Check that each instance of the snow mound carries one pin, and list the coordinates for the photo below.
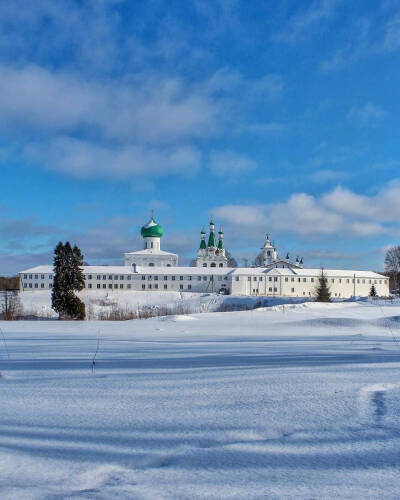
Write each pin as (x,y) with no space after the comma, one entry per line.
(179,317)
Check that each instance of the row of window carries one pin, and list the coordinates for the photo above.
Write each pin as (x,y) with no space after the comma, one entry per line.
(36,285)
(36,276)
(154,286)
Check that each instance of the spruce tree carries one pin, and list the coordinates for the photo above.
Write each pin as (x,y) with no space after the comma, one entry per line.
(322,292)
(372,292)
(68,278)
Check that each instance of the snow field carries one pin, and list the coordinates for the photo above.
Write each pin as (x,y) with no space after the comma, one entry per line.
(287,402)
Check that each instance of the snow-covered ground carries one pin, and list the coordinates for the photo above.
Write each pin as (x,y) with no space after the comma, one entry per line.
(38,303)
(291,401)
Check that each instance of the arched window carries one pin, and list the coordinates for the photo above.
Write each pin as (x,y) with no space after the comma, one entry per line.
(151,264)
(268,253)
(221,265)
(213,264)
(205,264)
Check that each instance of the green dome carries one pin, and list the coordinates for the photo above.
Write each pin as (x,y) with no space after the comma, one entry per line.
(152,230)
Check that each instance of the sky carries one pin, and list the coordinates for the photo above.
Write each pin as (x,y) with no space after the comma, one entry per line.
(273,117)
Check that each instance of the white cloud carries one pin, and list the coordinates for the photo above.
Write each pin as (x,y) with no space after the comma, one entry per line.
(338,212)
(367,114)
(86,160)
(229,164)
(302,23)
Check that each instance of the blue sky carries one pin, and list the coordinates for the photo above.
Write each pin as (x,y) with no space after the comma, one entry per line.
(277,117)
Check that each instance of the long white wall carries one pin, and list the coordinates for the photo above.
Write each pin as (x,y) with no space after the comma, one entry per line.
(241,281)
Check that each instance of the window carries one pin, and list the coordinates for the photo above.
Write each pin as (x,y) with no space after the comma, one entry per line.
(275,289)
(30,276)
(259,279)
(149,286)
(165,278)
(358,281)
(181,278)
(115,285)
(149,278)
(156,278)
(143,277)
(226,277)
(36,276)
(312,280)
(304,280)
(50,285)
(189,278)
(98,277)
(237,278)
(340,280)
(204,265)
(213,264)
(165,287)
(291,279)
(121,278)
(89,277)
(333,280)
(347,281)
(363,282)
(286,279)
(129,277)
(275,279)
(42,276)
(189,286)
(25,285)
(173,278)
(270,289)
(25,276)
(129,286)
(104,277)
(121,285)
(98,285)
(292,290)
(89,285)
(143,286)
(249,279)
(255,278)
(42,285)
(110,285)
(156,286)
(30,285)
(109,277)
(104,285)
(270,278)
(198,278)
(299,279)
(221,265)
(204,278)
(115,277)
(181,287)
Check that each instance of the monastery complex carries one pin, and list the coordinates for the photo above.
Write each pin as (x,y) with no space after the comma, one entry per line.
(152,269)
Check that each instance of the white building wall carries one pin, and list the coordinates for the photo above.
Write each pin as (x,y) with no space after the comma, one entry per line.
(256,282)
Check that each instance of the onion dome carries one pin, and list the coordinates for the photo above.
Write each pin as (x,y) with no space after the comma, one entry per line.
(152,229)
(221,239)
(211,239)
(203,240)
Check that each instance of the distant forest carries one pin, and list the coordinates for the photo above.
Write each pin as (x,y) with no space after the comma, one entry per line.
(10,283)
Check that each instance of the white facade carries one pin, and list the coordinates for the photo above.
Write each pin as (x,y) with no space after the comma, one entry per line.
(238,281)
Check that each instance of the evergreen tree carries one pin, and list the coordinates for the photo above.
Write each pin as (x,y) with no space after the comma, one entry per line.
(68,278)
(322,292)
(372,292)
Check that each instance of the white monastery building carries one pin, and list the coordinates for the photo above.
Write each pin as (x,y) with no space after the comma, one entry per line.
(152,269)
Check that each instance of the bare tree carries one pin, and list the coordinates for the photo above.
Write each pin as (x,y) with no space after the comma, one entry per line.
(259,260)
(392,264)
(10,305)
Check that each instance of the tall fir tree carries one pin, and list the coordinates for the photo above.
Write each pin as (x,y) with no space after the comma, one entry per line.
(372,292)
(68,278)
(322,292)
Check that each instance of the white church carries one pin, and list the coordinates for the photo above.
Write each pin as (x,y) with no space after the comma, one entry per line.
(152,269)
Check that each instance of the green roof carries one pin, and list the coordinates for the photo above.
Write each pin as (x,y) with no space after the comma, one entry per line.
(220,243)
(211,240)
(152,230)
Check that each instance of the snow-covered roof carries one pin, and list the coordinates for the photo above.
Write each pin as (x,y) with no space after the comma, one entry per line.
(239,271)
(151,251)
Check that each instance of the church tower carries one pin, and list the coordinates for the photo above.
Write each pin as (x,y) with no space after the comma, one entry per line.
(212,254)
(269,252)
